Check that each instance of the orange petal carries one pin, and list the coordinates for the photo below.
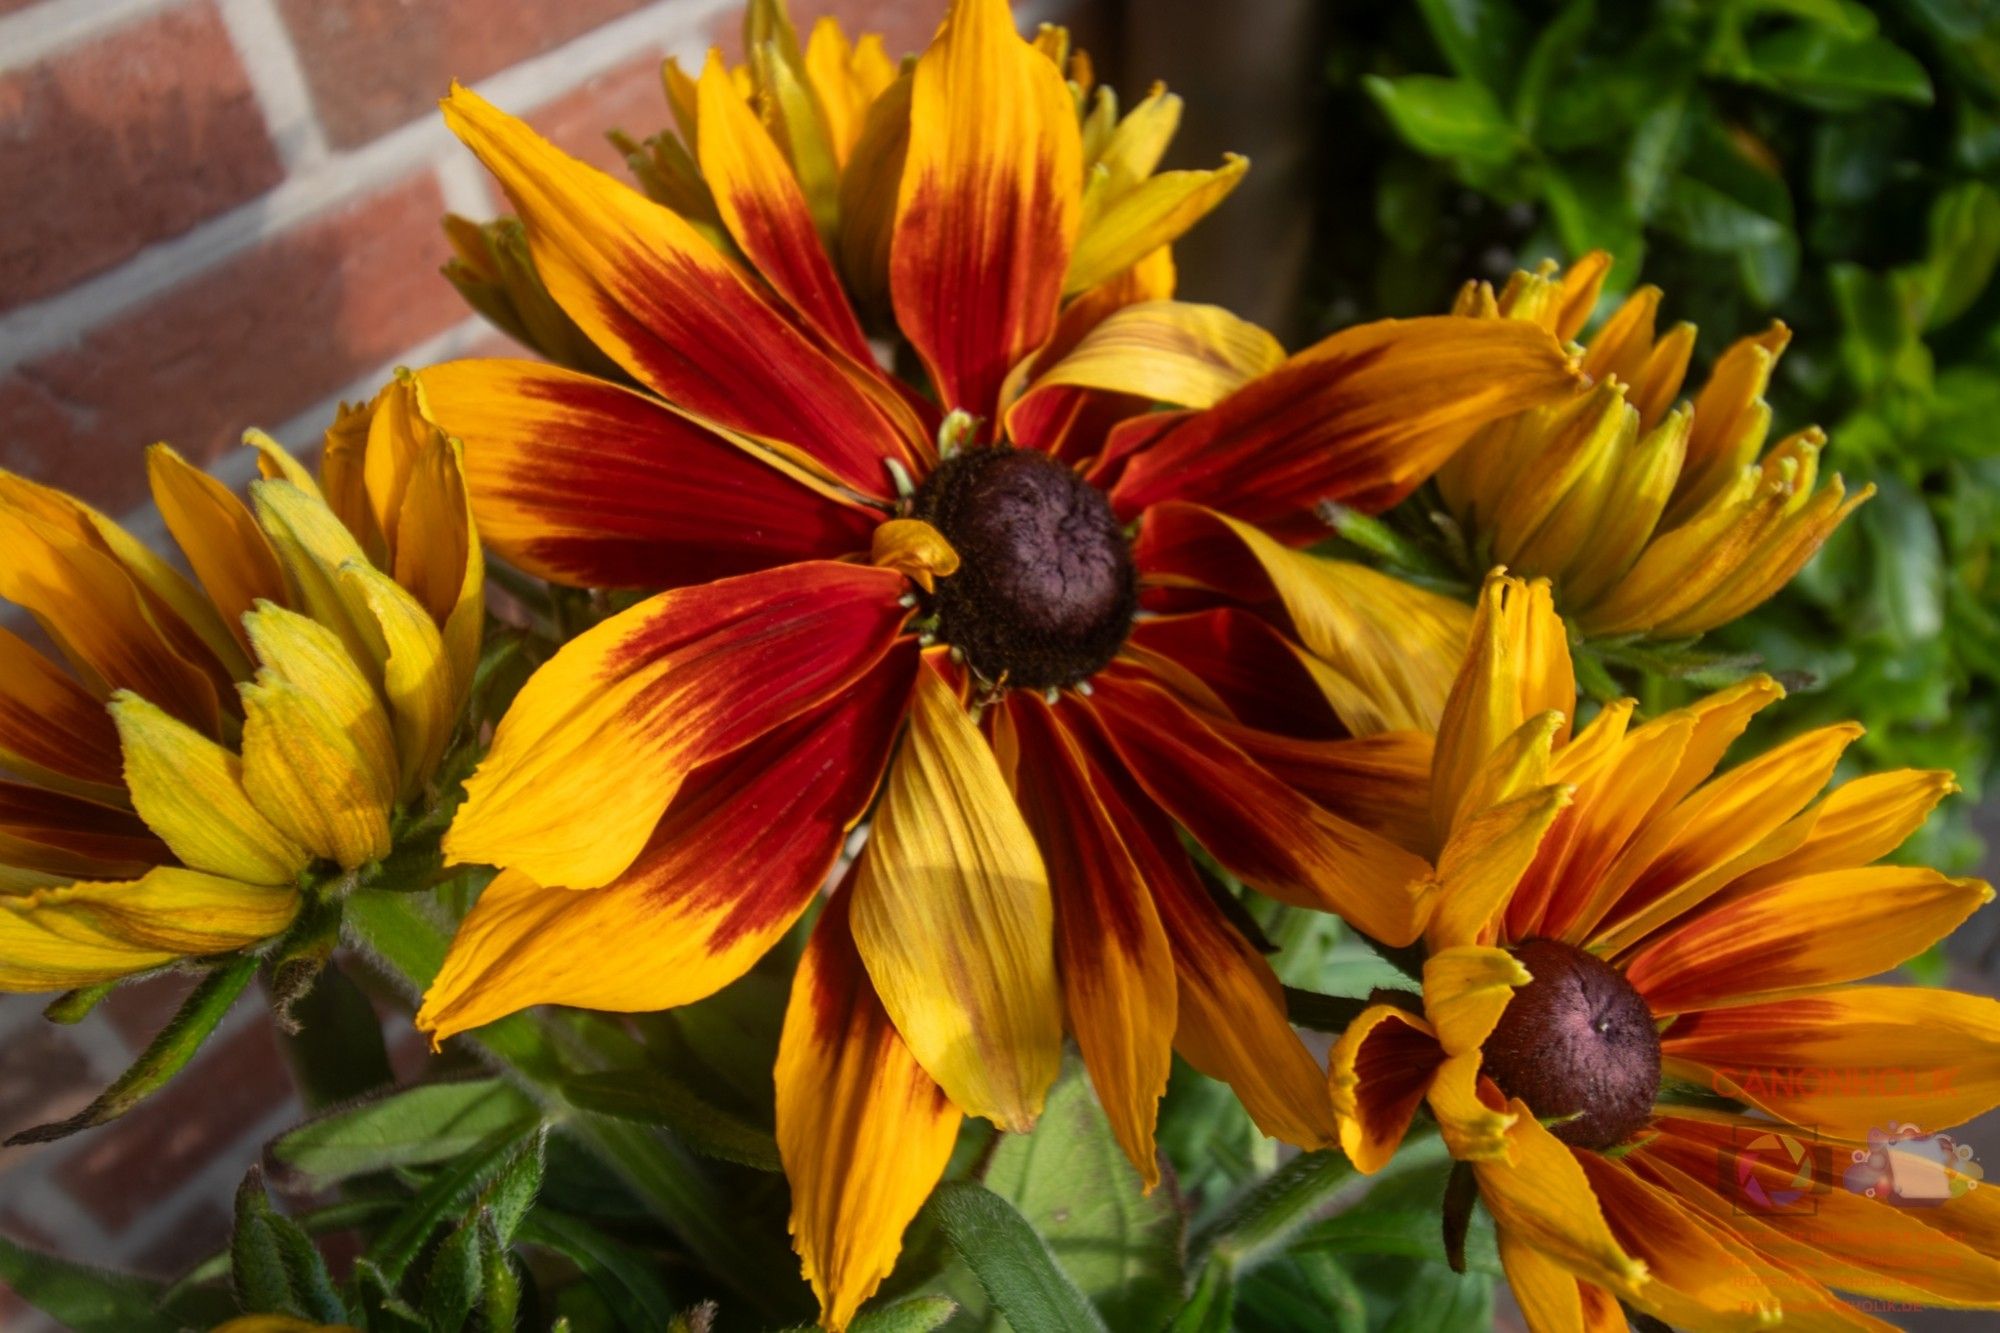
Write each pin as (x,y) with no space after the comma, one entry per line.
(601,737)
(52,730)
(735,860)
(1117,969)
(1361,418)
(864,1132)
(988,206)
(1378,1073)
(586,483)
(1697,1280)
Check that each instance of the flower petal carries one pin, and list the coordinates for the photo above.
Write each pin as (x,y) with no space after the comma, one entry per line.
(1361,418)
(586,483)
(80,934)
(1543,1199)
(417,676)
(1154,213)
(1695,1281)
(189,790)
(1860,821)
(222,542)
(681,318)
(1265,832)
(1377,1074)
(766,211)
(1393,647)
(51,834)
(1117,969)
(988,206)
(51,729)
(864,1132)
(953,916)
(737,857)
(600,738)
(1466,988)
(1835,1059)
(1817,930)
(1174,352)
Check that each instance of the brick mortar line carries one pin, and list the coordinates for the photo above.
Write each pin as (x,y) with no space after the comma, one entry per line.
(48,28)
(676,26)
(271,62)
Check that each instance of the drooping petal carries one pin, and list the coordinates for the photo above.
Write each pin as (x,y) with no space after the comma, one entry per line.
(766,211)
(51,729)
(1695,1281)
(1466,988)
(953,916)
(679,316)
(1259,675)
(988,206)
(1542,1197)
(1547,1293)
(864,1132)
(1117,970)
(189,790)
(737,857)
(1173,352)
(222,542)
(586,483)
(1231,1022)
(1377,1075)
(1361,418)
(79,934)
(600,738)
(1832,1059)
(1817,930)
(1396,646)
(1482,865)
(1261,829)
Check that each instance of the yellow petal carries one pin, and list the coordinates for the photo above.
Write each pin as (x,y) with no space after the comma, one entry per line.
(1544,1200)
(1465,990)
(319,758)
(915,549)
(79,934)
(864,1132)
(1483,863)
(1155,213)
(313,544)
(1174,352)
(422,686)
(1471,1118)
(952,915)
(223,545)
(1546,1291)
(189,790)
(1860,821)
(1377,1074)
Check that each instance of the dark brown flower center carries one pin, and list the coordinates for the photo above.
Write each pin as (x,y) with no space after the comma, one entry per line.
(1045,591)
(1579,1042)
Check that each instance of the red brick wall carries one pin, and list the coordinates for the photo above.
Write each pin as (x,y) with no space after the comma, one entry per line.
(219,214)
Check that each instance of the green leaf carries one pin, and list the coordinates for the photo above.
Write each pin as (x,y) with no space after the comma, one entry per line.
(414,1127)
(1909,562)
(1481,39)
(455,1281)
(166,1056)
(1322,1013)
(274,1266)
(507,1200)
(1075,1187)
(1554,49)
(1412,1232)
(500,1281)
(1441,1301)
(1965,245)
(1303,1291)
(626,1279)
(918,1314)
(1448,118)
(1592,211)
(85,1299)
(655,1098)
(1263,1219)
(1212,1307)
(443,1195)
(1012,1263)
(74,1006)
(1815,65)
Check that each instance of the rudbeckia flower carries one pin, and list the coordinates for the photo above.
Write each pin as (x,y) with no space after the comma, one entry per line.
(924,606)
(1648,963)
(1646,517)
(215,744)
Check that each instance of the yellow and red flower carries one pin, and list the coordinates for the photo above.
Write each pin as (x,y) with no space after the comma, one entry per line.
(213,740)
(923,606)
(1640,927)
(1645,517)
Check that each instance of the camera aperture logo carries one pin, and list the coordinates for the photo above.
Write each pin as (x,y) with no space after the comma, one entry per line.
(1782,1170)
(1908,1168)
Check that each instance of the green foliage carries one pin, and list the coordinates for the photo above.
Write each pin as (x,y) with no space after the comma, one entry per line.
(1825,162)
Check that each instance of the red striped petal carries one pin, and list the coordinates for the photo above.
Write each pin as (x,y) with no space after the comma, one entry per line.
(582,482)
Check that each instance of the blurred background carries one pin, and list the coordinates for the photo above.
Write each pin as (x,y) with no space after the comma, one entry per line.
(224,213)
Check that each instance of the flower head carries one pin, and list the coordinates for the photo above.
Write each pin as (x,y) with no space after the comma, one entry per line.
(1645,517)
(1634,960)
(1023,623)
(213,740)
